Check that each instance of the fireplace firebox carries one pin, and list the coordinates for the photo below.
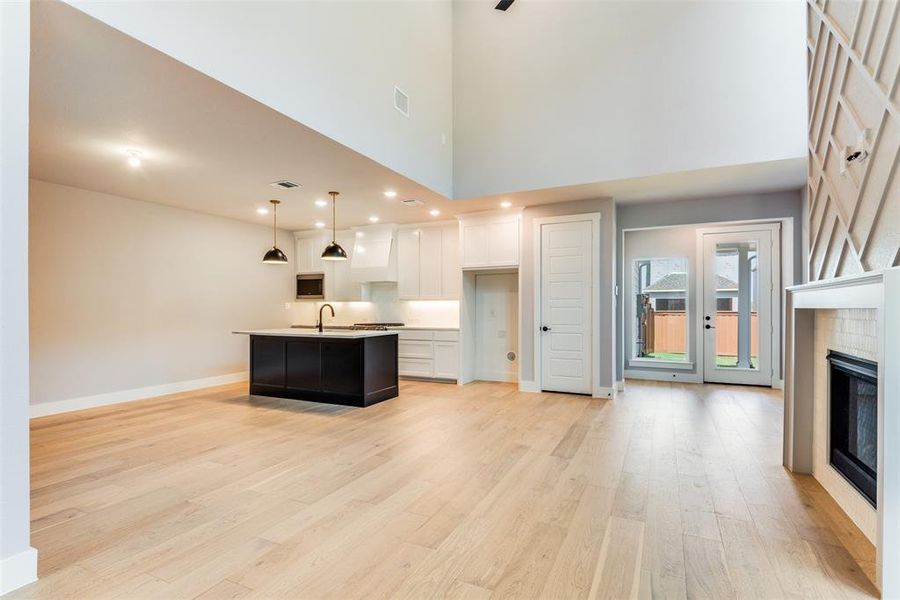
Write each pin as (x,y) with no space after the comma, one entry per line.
(853,416)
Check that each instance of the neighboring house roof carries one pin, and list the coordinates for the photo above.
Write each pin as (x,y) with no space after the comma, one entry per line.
(677,282)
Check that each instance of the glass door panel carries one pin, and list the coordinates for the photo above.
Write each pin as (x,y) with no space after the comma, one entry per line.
(737,271)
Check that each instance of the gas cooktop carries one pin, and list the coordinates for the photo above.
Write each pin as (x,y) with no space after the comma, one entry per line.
(374,326)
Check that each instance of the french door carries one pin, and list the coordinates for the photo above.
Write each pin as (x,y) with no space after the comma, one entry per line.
(566,326)
(737,305)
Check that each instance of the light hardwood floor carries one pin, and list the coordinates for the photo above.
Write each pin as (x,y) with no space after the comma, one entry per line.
(668,491)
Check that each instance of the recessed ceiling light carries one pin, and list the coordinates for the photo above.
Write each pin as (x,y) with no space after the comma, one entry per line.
(134,158)
(434,212)
(391,194)
(505,204)
(373,219)
(262,211)
(319,224)
(321,202)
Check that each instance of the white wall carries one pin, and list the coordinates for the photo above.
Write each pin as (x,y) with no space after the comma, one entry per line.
(566,92)
(329,65)
(18,561)
(127,294)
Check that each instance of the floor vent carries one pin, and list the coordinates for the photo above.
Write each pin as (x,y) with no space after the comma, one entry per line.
(401,101)
(285,184)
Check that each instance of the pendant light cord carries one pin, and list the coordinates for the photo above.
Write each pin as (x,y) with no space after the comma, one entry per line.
(333,217)
(274,224)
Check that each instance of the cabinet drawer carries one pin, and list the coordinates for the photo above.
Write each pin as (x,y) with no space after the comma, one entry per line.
(415,349)
(415,334)
(415,367)
(446,336)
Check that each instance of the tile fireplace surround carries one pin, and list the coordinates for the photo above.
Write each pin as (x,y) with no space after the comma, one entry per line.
(859,315)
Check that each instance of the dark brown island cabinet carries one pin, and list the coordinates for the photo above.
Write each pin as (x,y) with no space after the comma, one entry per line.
(348,368)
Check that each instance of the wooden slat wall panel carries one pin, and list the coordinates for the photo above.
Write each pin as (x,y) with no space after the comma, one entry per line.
(853,73)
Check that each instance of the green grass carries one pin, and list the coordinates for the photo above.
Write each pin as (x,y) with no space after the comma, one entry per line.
(722,360)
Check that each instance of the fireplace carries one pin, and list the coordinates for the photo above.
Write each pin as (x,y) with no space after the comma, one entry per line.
(853,416)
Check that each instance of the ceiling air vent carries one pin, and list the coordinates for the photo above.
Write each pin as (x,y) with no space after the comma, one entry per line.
(401,101)
(284,184)
(412,203)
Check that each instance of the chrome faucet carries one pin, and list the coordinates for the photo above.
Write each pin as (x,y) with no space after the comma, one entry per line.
(321,308)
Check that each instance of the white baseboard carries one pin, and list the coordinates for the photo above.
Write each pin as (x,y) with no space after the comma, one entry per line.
(529,386)
(44,409)
(620,386)
(18,570)
(778,384)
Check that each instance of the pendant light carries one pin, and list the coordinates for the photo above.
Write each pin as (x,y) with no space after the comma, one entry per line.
(275,256)
(333,251)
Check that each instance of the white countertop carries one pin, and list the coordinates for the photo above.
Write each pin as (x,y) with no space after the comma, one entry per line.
(312,333)
(400,328)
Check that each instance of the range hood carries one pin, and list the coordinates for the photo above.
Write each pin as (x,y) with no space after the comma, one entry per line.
(374,256)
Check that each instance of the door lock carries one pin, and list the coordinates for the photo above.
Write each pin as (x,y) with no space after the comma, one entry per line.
(707,317)
(545,328)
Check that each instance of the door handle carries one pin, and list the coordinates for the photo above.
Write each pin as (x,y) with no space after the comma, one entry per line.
(708,326)
(545,328)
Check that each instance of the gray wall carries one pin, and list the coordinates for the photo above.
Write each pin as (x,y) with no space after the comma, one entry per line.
(14,468)
(127,294)
(606,273)
(775,205)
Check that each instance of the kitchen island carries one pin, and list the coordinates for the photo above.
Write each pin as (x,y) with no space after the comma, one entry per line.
(352,368)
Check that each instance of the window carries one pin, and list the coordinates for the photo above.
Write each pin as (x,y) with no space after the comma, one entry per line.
(659,309)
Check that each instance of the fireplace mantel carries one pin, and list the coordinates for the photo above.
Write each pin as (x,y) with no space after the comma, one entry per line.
(879,290)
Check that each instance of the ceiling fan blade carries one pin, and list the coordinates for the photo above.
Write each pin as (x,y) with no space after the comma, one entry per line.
(504,4)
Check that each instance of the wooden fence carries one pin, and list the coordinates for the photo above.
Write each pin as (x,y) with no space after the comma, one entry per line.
(666,333)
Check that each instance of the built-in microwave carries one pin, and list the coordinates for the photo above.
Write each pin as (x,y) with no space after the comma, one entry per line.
(311,286)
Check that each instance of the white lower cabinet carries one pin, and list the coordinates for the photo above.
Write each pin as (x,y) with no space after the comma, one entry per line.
(446,360)
(428,354)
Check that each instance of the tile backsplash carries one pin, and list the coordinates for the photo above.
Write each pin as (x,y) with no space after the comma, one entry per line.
(384,306)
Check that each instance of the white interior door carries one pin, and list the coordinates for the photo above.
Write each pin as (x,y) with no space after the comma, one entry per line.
(737,307)
(566,281)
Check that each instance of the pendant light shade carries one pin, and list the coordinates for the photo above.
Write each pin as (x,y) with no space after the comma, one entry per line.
(333,251)
(275,256)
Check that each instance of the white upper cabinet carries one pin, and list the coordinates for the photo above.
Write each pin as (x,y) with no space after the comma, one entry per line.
(430,276)
(309,253)
(428,262)
(490,240)
(343,288)
(408,263)
(450,274)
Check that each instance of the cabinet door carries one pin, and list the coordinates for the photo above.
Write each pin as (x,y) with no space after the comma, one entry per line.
(267,362)
(344,288)
(430,263)
(408,264)
(503,242)
(303,365)
(450,273)
(475,248)
(446,360)
(342,367)
(304,255)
